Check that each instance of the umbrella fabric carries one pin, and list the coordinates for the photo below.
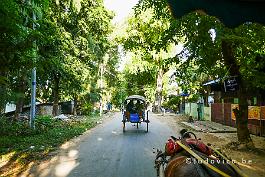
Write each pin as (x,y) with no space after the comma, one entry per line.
(231,12)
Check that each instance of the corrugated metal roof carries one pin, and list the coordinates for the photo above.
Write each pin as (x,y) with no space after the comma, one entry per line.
(211,82)
(137,97)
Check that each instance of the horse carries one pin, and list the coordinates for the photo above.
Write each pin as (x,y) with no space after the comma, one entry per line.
(198,162)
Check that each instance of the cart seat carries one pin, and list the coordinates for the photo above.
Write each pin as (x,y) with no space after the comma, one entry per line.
(134,118)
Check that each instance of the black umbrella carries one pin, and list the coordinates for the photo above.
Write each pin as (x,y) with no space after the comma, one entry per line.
(231,12)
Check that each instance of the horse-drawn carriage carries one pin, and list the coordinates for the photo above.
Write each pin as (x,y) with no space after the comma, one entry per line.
(188,156)
(135,111)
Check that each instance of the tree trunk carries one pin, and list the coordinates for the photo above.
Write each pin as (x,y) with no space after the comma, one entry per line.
(2,101)
(19,106)
(2,92)
(21,88)
(217,97)
(55,109)
(75,105)
(159,88)
(241,114)
(183,102)
(205,97)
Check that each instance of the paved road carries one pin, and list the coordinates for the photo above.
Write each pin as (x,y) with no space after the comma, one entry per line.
(108,152)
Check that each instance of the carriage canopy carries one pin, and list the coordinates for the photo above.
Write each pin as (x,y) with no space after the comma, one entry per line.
(135,97)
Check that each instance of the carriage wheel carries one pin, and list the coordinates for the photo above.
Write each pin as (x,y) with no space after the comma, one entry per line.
(123,127)
(147,122)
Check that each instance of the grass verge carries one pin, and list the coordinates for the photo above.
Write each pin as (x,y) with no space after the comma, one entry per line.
(20,145)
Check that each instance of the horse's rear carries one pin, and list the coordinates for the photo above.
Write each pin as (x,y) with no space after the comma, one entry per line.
(191,157)
(179,167)
(182,166)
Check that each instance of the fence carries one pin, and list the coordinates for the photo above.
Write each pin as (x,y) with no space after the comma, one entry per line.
(46,109)
(191,110)
(222,113)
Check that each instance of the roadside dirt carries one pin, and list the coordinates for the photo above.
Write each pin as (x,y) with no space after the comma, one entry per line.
(61,154)
(252,162)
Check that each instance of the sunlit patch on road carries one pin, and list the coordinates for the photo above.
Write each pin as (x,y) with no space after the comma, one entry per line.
(67,163)
(64,168)
(73,153)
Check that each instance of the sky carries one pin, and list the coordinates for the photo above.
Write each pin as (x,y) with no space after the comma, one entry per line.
(122,8)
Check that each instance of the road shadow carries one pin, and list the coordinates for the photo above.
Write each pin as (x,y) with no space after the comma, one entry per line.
(135,131)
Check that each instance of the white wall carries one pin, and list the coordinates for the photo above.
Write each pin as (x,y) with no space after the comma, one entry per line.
(191,109)
(10,107)
(207,113)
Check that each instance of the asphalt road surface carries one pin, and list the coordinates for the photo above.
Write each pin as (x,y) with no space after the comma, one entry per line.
(108,152)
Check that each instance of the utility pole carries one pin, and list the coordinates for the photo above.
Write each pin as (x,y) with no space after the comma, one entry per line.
(33,77)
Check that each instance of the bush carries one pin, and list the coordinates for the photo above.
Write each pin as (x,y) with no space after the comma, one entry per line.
(20,145)
(193,98)
(14,128)
(49,132)
(172,103)
(44,123)
(88,109)
(21,128)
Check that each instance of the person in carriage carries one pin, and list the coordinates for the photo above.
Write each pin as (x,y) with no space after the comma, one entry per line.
(140,108)
(129,106)
(135,112)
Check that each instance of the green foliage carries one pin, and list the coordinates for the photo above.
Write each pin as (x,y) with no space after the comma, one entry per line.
(43,123)
(21,128)
(144,38)
(161,9)
(119,93)
(15,49)
(66,46)
(172,103)
(249,45)
(16,128)
(193,98)
(89,99)
(87,108)
(204,52)
(21,145)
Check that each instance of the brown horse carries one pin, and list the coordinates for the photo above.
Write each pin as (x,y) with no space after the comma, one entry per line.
(190,157)
(183,164)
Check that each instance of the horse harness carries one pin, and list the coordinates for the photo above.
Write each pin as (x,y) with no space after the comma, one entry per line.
(187,148)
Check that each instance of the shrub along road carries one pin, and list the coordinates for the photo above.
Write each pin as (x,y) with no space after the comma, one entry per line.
(21,147)
(107,151)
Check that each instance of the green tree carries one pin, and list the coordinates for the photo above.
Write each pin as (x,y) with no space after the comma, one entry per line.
(17,47)
(237,51)
(74,43)
(72,37)
(145,37)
